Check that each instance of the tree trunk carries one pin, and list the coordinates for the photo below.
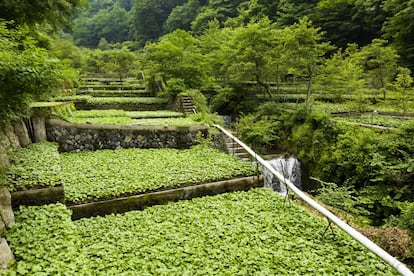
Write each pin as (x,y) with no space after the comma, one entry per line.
(265,86)
(309,85)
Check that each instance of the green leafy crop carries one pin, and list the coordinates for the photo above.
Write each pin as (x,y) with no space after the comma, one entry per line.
(127,100)
(128,121)
(99,113)
(112,173)
(117,120)
(241,233)
(36,166)
(154,114)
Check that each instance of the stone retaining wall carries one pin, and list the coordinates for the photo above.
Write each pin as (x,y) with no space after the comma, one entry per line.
(123,106)
(78,137)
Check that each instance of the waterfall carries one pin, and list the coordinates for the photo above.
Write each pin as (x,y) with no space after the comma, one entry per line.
(289,167)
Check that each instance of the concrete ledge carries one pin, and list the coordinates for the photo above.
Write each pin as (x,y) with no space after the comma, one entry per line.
(139,202)
(37,196)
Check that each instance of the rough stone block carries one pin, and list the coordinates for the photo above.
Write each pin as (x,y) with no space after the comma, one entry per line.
(39,127)
(6,211)
(20,130)
(4,142)
(4,160)
(6,255)
(14,140)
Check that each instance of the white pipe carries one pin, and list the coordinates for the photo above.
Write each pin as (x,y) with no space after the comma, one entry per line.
(400,267)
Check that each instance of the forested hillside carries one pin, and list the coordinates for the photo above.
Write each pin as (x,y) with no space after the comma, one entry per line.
(343,21)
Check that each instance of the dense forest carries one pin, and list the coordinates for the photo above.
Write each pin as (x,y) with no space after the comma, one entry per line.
(281,69)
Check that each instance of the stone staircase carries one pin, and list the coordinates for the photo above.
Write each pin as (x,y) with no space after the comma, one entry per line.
(236,150)
(186,105)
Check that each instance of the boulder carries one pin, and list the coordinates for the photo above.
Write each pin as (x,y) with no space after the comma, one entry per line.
(20,130)
(6,255)
(6,211)
(3,228)
(39,128)
(4,160)
(4,142)
(14,140)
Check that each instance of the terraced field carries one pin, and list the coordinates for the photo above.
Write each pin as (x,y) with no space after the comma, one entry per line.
(243,233)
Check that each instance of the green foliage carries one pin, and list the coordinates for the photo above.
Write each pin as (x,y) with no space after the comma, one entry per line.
(403,83)
(305,50)
(176,56)
(232,100)
(350,21)
(117,62)
(174,87)
(229,233)
(182,16)
(122,120)
(380,62)
(154,114)
(57,13)
(121,62)
(253,53)
(376,168)
(74,98)
(26,73)
(341,197)
(99,113)
(36,166)
(341,74)
(116,120)
(108,22)
(149,17)
(44,239)
(207,118)
(407,215)
(112,173)
(199,100)
(398,27)
(386,121)
(259,133)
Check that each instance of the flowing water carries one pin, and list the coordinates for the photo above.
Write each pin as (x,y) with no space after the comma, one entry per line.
(289,167)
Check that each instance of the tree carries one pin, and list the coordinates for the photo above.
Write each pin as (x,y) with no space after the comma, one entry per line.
(399,28)
(253,53)
(349,21)
(176,55)
(31,12)
(149,17)
(182,16)
(103,20)
(26,73)
(213,46)
(341,74)
(380,64)
(215,10)
(291,11)
(304,50)
(403,85)
(258,9)
(122,62)
(112,24)
(84,32)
